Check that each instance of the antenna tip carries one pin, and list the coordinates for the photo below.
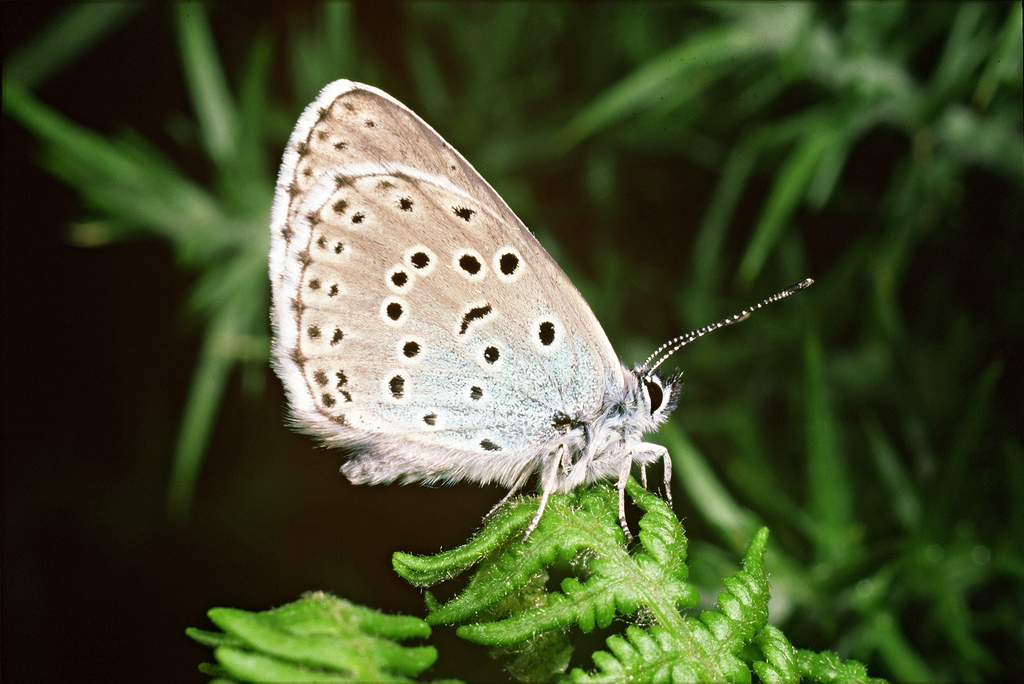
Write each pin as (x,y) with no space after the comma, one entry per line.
(806,282)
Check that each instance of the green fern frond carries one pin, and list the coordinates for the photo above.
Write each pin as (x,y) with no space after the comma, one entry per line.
(319,638)
(783,663)
(780,662)
(827,667)
(579,528)
(694,649)
(508,605)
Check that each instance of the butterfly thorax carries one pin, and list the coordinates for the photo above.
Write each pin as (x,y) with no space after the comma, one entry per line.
(602,447)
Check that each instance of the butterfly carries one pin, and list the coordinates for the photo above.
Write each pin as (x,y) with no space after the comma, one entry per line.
(421,326)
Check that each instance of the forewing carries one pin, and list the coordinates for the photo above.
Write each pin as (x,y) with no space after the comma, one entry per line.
(416,319)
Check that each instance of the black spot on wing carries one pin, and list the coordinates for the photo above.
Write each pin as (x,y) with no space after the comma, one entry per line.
(474,314)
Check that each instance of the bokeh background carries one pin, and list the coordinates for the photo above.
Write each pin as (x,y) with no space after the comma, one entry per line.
(680,161)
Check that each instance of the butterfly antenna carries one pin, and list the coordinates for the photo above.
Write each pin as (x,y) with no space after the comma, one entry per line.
(678,343)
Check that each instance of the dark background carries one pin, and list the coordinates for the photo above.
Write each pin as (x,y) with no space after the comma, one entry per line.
(99,347)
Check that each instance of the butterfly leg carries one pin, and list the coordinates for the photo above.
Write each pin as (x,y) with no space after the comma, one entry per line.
(516,486)
(536,519)
(548,480)
(667,460)
(643,475)
(623,477)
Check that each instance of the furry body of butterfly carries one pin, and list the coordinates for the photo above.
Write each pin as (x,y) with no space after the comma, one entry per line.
(420,325)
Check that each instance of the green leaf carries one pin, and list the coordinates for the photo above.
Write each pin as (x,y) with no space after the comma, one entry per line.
(319,638)
(508,604)
(790,187)
(828,667)
(830,504)
(71,34)
(706,648)
(769,30)
(211,99)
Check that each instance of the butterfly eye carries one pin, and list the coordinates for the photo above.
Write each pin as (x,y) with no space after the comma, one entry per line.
(654,394)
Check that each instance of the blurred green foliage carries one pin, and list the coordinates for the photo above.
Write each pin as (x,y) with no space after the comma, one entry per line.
(681,161)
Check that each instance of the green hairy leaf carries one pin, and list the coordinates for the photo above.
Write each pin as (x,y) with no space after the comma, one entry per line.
(509,605)
(319,638)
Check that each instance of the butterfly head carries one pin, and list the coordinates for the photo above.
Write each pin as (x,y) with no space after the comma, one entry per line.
(656,395)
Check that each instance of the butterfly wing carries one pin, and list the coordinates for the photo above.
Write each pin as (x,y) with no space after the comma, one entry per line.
(416,320)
